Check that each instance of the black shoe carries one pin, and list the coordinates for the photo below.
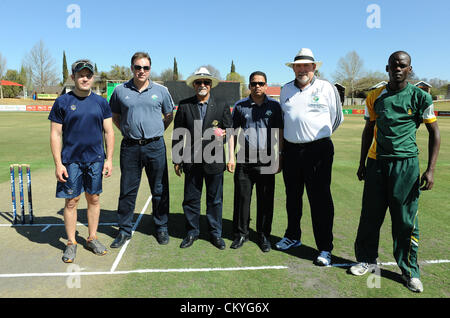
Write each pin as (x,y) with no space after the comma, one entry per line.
(218,242)
(162,237)
(237,243)
(264,244)
(120,240)
(188,241)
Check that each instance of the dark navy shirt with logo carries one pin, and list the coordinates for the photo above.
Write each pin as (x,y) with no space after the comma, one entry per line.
(82,126)
(257,122)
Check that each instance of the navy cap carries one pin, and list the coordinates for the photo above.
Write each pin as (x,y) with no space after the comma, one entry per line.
(81,64)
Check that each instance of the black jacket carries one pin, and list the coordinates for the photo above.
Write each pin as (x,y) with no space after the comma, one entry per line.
(189,151)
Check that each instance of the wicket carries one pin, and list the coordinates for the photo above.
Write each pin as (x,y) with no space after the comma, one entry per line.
(13,192)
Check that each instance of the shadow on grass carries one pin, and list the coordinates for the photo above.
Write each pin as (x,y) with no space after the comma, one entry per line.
(40,235)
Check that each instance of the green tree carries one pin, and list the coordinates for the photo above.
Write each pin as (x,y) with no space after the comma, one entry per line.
(175,70)
(236,77)
(65,70)
(13,91)
(119,73)
(233,67)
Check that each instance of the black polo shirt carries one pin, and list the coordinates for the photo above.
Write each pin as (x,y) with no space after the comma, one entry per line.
(256,122)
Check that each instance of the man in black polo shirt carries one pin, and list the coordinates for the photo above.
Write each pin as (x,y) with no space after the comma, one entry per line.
(260,120)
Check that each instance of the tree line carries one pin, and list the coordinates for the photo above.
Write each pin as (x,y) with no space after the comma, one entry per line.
(38,71)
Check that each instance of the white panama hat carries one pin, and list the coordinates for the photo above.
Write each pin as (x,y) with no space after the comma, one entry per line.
(202,73)
(304,56)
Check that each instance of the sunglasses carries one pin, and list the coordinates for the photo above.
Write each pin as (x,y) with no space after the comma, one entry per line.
(82,65)
(138,68)
(253,84)
(200,82)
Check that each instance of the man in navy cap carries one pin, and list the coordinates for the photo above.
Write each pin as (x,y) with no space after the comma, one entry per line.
(80,120)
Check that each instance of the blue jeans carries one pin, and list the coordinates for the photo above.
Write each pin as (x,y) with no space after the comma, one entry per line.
(152,157)
(193,184)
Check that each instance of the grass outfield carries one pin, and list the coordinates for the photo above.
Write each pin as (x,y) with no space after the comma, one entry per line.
(25,139)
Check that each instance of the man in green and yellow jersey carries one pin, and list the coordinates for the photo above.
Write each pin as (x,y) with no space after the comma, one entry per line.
(389,167)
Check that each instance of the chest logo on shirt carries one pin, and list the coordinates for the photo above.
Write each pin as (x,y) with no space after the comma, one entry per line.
(73,107)
(268,113)
(154,97)
(409,111)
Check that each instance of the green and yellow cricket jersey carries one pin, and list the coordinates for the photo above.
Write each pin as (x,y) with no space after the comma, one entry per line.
(397,117)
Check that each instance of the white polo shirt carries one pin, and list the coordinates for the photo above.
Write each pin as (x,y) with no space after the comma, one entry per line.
(311,113)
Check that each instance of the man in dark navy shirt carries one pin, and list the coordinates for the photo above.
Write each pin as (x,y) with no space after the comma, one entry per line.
(79,120)
(261,123)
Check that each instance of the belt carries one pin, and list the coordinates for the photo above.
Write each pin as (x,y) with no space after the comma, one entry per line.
(305,144)
(140,142)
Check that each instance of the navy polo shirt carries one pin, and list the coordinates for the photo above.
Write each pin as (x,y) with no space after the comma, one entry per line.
(141,112)
(82,126)
(256,121)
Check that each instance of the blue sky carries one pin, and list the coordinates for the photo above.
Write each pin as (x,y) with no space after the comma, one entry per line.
(257,35)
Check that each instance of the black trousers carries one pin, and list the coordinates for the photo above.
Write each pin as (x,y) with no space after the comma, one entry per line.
(193,185)
(309,166)
(245,177)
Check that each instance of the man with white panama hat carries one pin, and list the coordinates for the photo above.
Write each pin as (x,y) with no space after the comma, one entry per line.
(200,122)
(312,112)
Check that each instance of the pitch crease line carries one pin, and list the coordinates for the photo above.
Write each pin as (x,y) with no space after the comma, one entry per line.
(124,247)
(142,271)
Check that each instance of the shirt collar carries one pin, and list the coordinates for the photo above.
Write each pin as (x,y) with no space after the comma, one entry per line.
(131,85)
(202,103)
(252,102)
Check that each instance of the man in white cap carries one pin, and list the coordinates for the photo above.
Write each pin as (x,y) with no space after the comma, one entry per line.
(198,151)
(312,112)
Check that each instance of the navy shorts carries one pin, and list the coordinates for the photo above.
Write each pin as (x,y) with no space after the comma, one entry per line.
(83,177)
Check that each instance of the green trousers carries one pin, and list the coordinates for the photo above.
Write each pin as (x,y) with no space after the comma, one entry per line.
(392,184)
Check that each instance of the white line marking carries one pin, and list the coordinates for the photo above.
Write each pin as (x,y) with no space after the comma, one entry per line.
(57,224)
(438,261)
(124,247)
(141,271)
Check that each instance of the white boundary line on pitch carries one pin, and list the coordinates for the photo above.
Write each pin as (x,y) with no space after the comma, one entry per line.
(184,270)
(47,226)
(124,247)
(438,261)
(143,271)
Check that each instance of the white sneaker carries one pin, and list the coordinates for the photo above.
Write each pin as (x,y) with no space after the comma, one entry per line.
(362,268)
(324,259)
(413,283)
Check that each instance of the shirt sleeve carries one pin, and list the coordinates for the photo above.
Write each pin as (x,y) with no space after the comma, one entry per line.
(114,102)
(369,113)
(167,104)
(56,114)
(428,113)
(236,116)
(335,106)
(106,109)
